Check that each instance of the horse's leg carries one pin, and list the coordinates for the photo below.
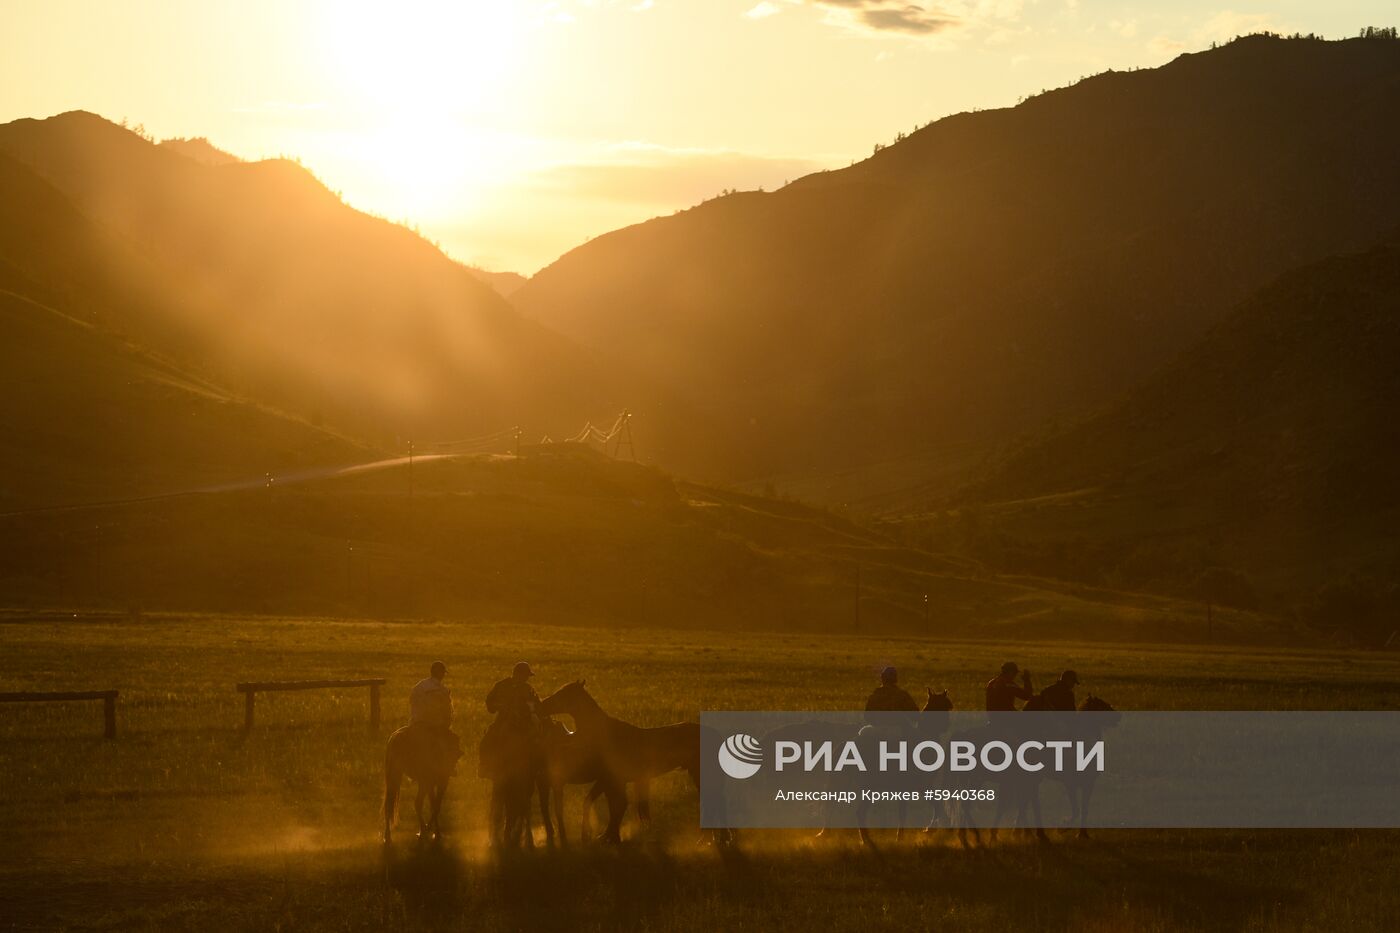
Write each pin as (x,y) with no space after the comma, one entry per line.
(524,794)
(1036,814)
(439,791)
(542,790)
(557,791)
(495,816)
(617,808)
(861,809)
(1085,791)
(393,779)
(644,801)
(899,830)
(510,811)
(594,792)
(996,817)
(418,806)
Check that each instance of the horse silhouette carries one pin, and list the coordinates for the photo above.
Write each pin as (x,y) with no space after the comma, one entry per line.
(417,751)
(569,760)
(1021,789)
(516,774)
(627,753)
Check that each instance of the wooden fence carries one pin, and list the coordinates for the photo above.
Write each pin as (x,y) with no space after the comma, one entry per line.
(108,698)
(251,690)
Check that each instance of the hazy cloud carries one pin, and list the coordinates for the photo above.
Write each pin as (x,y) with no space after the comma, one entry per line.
(763,10)
(669,178)
(1221,26)
(909,19)
(1227,24)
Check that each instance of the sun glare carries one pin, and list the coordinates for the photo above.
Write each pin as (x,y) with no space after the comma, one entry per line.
(420,78)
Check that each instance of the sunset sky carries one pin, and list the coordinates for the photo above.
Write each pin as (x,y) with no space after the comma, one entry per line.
(512,131)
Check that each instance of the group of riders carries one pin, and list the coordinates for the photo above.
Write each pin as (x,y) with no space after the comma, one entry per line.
(1003,691)
(516,705)
(512,700)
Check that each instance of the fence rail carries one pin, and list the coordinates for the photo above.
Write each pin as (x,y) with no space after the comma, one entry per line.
(108,698)
(251,690)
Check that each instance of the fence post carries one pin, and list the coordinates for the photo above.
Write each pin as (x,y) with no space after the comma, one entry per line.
(248,711)
(374,707)
(109,714)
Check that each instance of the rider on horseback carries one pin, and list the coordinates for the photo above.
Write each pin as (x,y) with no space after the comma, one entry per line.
(890,697)
(517,709)
(430,707)
(1060,695)
(1003,691)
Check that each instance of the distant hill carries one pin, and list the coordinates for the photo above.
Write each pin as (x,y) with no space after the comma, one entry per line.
(199,149)
(257,276)
(505,283)
(560,535)
(84,414)
(994,270)
(1269,450)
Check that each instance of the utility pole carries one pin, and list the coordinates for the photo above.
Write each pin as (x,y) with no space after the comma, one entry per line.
(517,442)
(624,431)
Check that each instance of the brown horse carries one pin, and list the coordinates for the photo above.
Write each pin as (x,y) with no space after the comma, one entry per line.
(628,754)
(569,760)
(417,751)
(516,773)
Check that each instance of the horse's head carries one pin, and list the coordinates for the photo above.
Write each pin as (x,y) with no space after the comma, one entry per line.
(937,702)
(552,730)
(568,699)
(1093,704)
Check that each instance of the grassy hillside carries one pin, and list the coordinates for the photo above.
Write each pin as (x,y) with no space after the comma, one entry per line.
(997,269)
(180,823)
(88,418)
(256,273)
(559,535)
(1268,449)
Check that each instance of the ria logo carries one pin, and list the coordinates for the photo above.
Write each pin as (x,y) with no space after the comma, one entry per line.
(740,756)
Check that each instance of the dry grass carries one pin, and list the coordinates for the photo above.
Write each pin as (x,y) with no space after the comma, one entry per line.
(183,823)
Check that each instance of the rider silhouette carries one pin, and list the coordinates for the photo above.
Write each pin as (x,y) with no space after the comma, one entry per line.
(430,708)
(517,709)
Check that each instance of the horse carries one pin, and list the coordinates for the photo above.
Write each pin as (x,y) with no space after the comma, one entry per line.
(417,751)
(567,760)
(628,754)
(933,721)
(1079,785)
(516,771)
(1024,789)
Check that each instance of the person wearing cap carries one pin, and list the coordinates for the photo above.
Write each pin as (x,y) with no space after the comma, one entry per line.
(517,708)
(513,696)
(430,705)
(1003,691)
(1060,694)
(890,697)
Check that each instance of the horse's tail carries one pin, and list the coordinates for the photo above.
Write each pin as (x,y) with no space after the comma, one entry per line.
(393,777)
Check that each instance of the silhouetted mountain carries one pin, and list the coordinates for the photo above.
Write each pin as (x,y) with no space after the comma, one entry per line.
(997,269)
(505,283)
(199,149)
(257,275)
(1269,450)
(89,417)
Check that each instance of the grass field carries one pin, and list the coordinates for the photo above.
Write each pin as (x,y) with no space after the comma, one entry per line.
(181,823)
